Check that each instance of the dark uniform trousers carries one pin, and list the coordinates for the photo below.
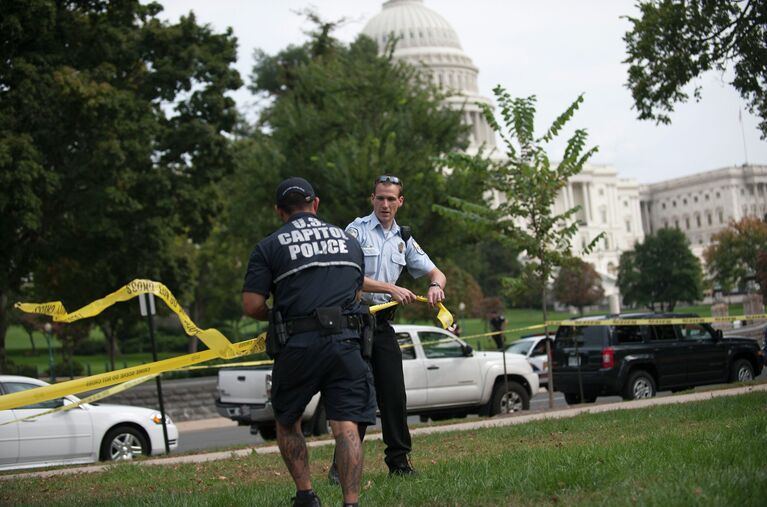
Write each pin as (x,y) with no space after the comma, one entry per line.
(390,393)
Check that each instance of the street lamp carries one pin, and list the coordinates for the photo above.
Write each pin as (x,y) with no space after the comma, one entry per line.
(51,368)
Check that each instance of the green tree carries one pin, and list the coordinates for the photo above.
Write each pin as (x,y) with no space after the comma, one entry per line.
(578,284)
(732,257)
(660,272)
(524,185)
(674,42)
(112,140)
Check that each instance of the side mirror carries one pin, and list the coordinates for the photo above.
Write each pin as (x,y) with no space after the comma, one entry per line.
(467,350)
(718,335)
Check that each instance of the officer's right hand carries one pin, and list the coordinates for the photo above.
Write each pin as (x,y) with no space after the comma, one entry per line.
(402,295)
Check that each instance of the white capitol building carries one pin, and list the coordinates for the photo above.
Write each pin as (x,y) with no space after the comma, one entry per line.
(699,205)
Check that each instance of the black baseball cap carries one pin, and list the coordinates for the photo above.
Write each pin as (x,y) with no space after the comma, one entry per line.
(293,185)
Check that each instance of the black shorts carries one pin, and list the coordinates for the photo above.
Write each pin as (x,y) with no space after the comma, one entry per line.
(331,365)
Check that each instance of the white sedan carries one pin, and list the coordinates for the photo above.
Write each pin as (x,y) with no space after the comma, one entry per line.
(85,434)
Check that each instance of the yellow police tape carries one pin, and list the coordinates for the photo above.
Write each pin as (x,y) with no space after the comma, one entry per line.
(443,314)
(90,399)
(219,346)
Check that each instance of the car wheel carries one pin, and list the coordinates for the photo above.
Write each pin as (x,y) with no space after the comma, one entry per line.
(640,385)
(741,371)
(320,421)
(514,400)
(124,443)
(267,431)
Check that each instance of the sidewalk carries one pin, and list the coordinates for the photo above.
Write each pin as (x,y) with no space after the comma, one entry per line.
(494,422)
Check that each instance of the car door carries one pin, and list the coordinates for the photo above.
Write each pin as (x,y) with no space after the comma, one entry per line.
(416,383)
(9,438)
(706,357)
(453,378)
(66,435)
(670,355)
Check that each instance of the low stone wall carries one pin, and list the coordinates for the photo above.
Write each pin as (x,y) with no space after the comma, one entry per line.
(184,399)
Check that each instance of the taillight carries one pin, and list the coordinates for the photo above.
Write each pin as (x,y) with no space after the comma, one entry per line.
(608,357)
(268,385)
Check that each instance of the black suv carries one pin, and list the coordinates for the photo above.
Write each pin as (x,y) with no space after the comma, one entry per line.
(636,361)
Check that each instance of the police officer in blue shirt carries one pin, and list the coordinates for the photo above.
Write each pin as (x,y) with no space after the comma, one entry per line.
(388,249)
(314,271)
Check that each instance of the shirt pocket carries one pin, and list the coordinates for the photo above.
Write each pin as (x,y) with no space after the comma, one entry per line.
(371,254)
(399,258)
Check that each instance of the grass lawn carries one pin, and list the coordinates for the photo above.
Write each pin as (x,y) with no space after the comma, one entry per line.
(701,453)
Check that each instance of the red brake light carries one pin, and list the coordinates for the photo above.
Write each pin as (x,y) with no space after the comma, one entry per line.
(608,357)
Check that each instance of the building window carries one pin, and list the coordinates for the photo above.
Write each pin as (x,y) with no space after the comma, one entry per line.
(684,201)
(603,215)
(673,203)
(717,195)
(697,220)
(601,191)
(676,224)
(708,218)
(628,225)
(687,223)
(706,197)
(665,224)
(742,191)
(625,204)
(721,217)
(695,199)
(663,205)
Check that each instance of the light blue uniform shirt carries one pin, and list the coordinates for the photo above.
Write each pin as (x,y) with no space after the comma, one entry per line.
(386,254)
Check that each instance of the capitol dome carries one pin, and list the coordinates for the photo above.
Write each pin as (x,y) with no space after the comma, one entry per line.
(425,39)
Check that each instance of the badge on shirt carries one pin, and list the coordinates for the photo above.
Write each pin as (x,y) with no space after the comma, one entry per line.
(401,247)
(418,248)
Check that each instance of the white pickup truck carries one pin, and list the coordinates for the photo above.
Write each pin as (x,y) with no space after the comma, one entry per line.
(444,378)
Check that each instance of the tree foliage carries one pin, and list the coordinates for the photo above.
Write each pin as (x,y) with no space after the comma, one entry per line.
(340,116)
(348,115)
(578,284)
(732,258)
(674,42)
(523,186)
(112,141)
(660,272)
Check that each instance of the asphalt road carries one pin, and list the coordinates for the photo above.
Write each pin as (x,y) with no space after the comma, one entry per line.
(239,436)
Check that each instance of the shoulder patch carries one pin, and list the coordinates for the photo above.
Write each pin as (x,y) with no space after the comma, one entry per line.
(418,248)
(353,232)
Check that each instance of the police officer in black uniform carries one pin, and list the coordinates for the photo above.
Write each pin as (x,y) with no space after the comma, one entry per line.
(315,272)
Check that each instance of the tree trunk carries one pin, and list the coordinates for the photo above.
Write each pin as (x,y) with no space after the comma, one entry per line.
(548,346)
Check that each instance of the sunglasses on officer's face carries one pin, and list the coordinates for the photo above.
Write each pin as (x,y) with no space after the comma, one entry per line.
(388,179)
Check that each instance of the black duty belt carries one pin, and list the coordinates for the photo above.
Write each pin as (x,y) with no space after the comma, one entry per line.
(310,323)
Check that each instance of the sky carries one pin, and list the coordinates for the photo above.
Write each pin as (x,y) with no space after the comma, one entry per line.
(553,49)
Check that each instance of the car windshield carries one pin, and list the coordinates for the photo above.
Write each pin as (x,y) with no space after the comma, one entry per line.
(520,347)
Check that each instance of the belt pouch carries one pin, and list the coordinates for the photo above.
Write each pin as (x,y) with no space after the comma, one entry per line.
(330,319)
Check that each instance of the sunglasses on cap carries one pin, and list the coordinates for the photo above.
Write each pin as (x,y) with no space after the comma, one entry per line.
(388,179)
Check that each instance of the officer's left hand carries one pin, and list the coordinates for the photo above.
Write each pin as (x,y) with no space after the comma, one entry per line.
(435,295)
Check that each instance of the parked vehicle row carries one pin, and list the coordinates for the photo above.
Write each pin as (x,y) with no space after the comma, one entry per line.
(444,377)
